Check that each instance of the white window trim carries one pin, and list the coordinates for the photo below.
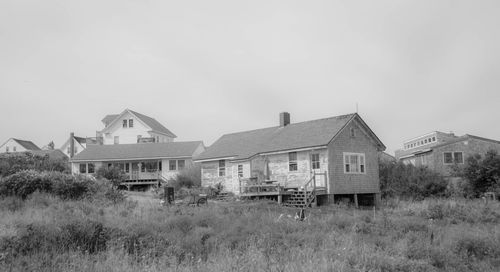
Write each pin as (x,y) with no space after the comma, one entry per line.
(296,161)
(312,161)
(241,173)
(176,165)
(453,158)
(359,162)
(219,168)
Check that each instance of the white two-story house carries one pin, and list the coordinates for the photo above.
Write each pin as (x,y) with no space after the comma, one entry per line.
(130,127)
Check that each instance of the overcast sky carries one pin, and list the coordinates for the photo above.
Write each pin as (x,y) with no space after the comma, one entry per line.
(205,68)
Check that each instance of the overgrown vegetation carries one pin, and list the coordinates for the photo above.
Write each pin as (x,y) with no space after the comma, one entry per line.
(11,163)
(44,233)
(408,181)
(482,174)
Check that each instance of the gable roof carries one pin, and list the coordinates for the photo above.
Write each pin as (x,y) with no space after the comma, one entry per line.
(137,151)
(53,154)
(29,145)
(309,134)
(81,140)
(109,118)
(152,123)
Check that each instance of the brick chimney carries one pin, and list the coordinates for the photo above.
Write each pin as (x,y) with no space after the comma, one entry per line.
(71,144)
(284,119)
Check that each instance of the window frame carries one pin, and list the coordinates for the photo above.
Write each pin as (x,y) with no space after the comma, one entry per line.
(222,168)
(360,163)
(90,170)
(453,157)
(179,165)
(293,165)
(124,123)
(14,148)
(130,123)
(240,170)
(84,165)
(172,167)
(313,162)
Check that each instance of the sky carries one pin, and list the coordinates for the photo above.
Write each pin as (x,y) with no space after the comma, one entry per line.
(206,68)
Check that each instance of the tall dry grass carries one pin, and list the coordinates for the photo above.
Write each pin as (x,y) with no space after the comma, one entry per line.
(44,233)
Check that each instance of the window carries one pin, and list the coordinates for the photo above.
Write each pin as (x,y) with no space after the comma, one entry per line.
(125,123)
(240,170)
(222,168)
(172,166)
(139,138)
(157,139)
(130,123)
(354,163)
(127,167)
(160,166)
(83,168)
(6,149)
(117,139)
(448,158)
(458,157)
(143,166)
(14,148)
(353,133)
(292,161)
(433,139)
(181,164)
(315,161)
(91,168)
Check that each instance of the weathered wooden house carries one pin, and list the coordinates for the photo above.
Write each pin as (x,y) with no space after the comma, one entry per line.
(305,163)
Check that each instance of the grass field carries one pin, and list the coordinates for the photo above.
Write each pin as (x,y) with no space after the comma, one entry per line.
(47,234)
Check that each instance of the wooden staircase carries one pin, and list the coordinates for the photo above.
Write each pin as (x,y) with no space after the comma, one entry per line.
(306,195)
(301,199)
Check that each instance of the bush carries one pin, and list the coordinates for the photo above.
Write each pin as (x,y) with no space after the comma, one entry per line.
(114,174)
(400,180)
(24,183)
(483,174)
(11,163)
(188,177)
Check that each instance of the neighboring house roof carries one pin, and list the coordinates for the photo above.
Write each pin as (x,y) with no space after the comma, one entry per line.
(448,142)
(29,145)
(149,121)
(153,124)
(53,154)
(309,134)
(387,157)
(137,151)
(81,140)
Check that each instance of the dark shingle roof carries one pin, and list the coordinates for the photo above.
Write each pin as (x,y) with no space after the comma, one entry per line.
(153,124)
(29,145)
(244,145)
(137,151)
(81,140)
(53,154)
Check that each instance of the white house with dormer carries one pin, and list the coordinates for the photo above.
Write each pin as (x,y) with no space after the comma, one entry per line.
(130,127)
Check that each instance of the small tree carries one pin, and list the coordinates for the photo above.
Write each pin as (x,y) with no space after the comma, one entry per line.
(188,177)
(113,174)
(483,174)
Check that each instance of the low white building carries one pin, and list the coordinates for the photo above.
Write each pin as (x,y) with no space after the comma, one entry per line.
(16,145)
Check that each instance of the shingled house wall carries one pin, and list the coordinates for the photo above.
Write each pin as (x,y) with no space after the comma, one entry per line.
(342,183)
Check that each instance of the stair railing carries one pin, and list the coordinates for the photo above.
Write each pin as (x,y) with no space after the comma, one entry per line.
(308,199)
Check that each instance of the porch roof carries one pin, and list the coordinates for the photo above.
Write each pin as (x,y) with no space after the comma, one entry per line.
(137,151)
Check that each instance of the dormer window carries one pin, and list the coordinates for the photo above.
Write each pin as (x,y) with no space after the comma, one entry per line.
(130,123)
(14,149)
(124,123)
(6,149)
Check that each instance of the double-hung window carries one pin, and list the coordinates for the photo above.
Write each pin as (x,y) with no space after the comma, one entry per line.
(130,123)
(83,168)
(354,163)
(222,168)
(315,164)
(124,123)
(181,164)
(240,170)
(453,157)
(292,161)
(172,165)
(91,168)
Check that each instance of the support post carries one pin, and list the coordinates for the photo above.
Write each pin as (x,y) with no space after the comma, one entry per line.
(356,201)
(280,196)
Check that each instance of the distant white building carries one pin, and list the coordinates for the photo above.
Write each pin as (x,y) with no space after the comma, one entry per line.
(79,144)
(130,127)
(16,145)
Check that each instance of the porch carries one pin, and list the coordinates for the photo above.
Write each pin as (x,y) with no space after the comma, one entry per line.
(140,172)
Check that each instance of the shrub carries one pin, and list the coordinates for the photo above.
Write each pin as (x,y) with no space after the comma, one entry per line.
(188,177)
(24,183)
(114,174)
(11,163)
(400,180)
(483,174)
